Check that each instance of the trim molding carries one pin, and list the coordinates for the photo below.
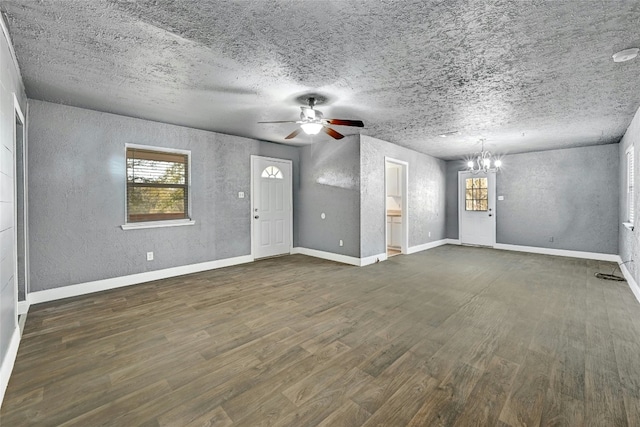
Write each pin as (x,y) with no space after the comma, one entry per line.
(118,282)
(23,306)
(345,259)
(557,252)
(373,259)
(430,245)
(8,362)
(630,280)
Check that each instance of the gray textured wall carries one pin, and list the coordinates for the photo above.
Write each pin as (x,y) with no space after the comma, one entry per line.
(451,196)
(570,195)
(426,196)
(629,247)
(10,83)
(77,196)
(330,183)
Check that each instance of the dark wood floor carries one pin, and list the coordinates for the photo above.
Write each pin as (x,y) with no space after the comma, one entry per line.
(451,336)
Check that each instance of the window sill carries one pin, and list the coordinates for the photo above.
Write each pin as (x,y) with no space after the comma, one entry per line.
(157,224)
(628,225)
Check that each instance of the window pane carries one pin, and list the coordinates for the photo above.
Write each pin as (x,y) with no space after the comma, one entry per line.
(272,172)
(476,194)
(157,185)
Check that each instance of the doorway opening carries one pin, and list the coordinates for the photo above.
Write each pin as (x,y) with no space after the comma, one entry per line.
(20,221)
(397,228)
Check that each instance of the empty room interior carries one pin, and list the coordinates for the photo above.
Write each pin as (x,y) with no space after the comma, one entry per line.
(319,213)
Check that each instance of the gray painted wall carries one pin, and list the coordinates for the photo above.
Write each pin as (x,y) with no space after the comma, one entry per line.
(629,247)
(10,83)
(426,196)
(77,195)
(330,183)
(570,195)
(451,196)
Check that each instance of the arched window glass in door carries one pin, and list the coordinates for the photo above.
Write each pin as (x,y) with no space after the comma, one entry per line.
(272,172)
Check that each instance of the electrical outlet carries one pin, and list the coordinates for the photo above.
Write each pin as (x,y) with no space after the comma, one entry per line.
(341,242)
(149,256)
(429,234)
(240,194)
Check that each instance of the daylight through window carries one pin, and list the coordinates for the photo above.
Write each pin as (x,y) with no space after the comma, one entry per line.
(476,194)
(272,172)
(157,185)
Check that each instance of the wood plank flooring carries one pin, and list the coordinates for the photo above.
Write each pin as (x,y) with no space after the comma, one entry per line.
(454,336)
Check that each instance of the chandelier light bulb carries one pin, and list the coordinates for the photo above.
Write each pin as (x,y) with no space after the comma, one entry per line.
(482,162)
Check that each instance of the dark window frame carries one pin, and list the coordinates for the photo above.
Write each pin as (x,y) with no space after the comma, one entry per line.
(167,157)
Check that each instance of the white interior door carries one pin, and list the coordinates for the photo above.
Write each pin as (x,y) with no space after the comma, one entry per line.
(477,208)
(271,212)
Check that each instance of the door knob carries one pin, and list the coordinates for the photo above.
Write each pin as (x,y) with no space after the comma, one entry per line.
(257,216)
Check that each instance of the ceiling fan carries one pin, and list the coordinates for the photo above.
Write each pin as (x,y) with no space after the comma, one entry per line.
(312,122)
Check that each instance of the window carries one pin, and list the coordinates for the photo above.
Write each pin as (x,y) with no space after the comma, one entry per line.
(272,172)
(630,185)
(157,185)
(476,194)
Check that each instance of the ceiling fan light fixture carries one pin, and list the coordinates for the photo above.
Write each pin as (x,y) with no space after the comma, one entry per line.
(625,55)
(311,128)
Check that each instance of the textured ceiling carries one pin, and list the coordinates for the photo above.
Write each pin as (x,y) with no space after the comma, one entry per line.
(525,75)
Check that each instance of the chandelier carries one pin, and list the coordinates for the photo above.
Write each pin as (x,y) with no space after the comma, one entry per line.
(483,162)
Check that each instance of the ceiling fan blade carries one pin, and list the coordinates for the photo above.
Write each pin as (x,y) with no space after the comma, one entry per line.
(332,133)
(293,134)
(282,121)
(342,122)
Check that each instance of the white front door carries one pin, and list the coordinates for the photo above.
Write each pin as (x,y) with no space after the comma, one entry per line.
(271,212)
(477,208)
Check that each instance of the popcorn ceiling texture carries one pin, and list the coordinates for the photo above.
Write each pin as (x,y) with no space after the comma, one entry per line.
(527,75)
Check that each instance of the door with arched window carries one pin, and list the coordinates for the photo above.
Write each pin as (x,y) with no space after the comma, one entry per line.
(271,210)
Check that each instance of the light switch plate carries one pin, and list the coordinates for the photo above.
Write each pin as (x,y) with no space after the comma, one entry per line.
(500,197)
(240,194)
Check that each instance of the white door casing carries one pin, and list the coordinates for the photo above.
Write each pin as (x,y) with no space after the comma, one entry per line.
(397,182)
(271,212)
(477,227)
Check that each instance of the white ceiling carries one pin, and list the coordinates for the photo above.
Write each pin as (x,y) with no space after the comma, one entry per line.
(524,74)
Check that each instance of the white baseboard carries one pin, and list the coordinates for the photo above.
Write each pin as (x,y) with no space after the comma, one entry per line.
(558,252)
(430,245)
(345,259)
(373,259)
(630,280)
(118,282)
(8,362)
(23,307)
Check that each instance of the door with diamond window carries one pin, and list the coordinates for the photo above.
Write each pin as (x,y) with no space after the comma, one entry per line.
(271,212)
